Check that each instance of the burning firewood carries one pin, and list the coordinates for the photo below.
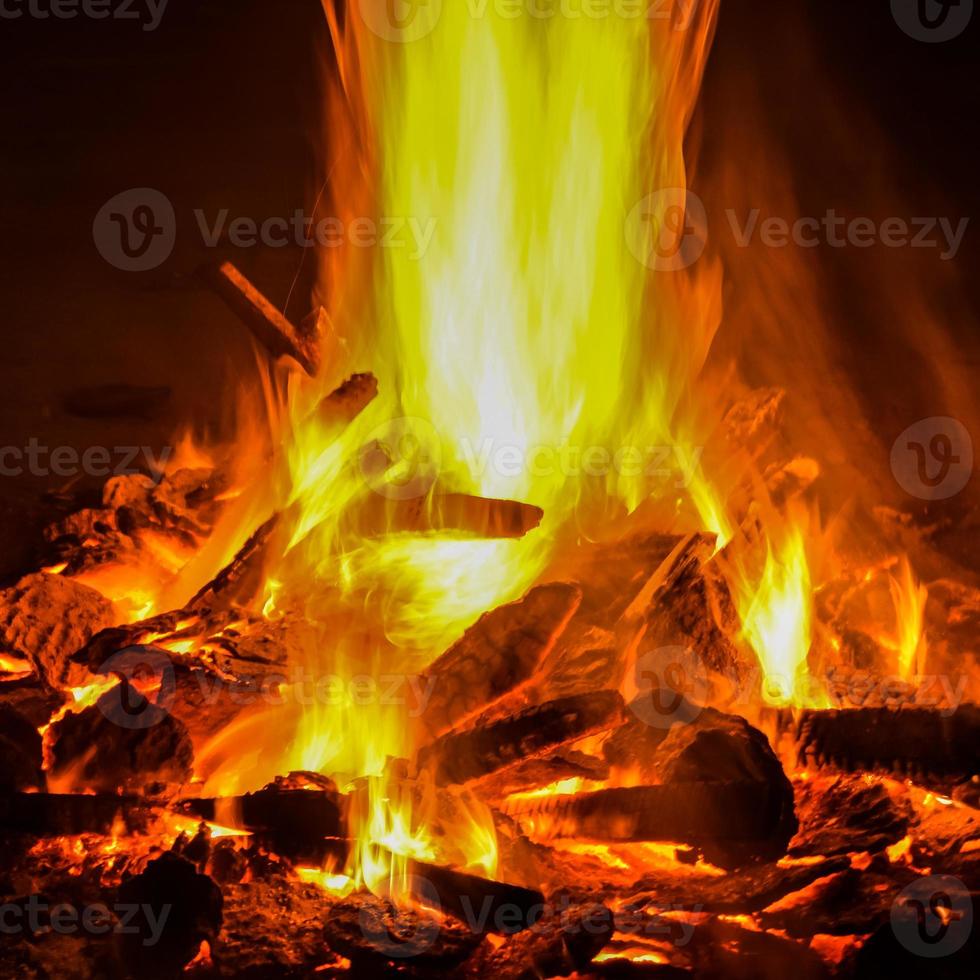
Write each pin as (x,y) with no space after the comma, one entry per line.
(301,816)
(59,815)
(483,517)
(926,744)
(344,405)
(481,904)
(499,652)
(120,743)
(279,337)
(734,823)
(458,757)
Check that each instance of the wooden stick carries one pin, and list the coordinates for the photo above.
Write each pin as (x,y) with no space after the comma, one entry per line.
(279,337)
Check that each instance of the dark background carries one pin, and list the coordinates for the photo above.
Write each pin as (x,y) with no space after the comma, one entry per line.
(218,109)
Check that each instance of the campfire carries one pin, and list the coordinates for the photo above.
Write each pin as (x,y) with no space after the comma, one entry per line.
(512,635)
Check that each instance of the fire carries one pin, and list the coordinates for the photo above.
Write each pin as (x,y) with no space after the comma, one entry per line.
(909,642)
(776,613)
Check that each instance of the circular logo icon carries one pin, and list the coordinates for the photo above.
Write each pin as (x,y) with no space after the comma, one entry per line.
(933,459)
(148,688)
(401,21)
(402,458)
(136,230)
(672,686)
(933,916)
(933,21)
(409,932)
(668,230)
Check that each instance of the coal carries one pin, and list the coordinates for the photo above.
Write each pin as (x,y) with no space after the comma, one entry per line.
(499,652)
(377,936)
(179,908)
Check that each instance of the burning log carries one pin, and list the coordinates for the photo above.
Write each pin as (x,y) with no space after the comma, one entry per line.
(531,773)
(499,652)
(686,603)
(924,744)
(44,619)
(732,822)
(458,757)
(342,406)
(481,904)
(20,753)
(483,517)
(376,935)
(836,812)
(300,817)
(123,742)
(58,815)
(178,909)
(241,578)
(279,337)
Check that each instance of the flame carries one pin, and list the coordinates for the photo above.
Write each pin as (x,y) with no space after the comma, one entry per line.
(776,612)
(909,597)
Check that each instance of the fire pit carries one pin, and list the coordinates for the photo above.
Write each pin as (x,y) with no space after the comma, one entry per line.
(510,638)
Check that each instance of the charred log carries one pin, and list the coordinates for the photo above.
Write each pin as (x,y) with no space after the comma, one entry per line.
(499,652)
(342,406)
(481,904)
(276,334)
(925,744)
(459,757)
(58,815)
(733,823)
(124,743)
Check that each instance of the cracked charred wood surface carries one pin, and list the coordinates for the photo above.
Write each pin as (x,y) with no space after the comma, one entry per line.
(931,746)
(734,822)
(276,334)
(499,652)
(458,757)
(45,618)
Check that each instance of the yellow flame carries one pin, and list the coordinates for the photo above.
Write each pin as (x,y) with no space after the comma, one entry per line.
(776,612)
(909,597)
